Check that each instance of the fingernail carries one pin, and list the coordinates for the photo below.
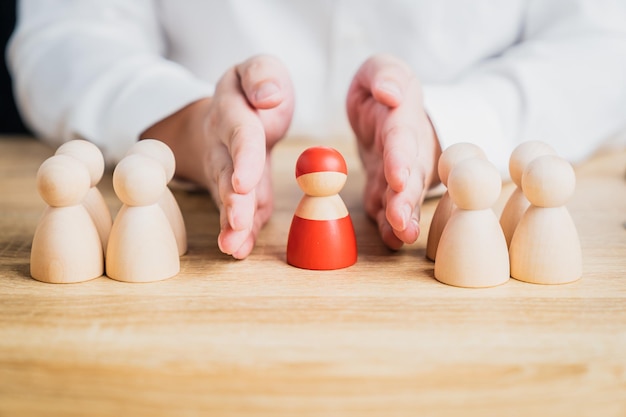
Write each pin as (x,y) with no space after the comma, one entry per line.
(391,88)
(406,217)
(266,91)
(404,177)
(232,219)
(415,223)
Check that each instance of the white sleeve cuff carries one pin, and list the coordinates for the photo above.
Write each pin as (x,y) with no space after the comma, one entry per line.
(118,107)
(463,113)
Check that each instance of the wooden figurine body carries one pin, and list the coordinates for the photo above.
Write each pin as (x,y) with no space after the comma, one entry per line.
(472,251)
(142,246)
(89,154)
(66,245)
(163,154)
(517,203)
(545,248)
(451,156)
(321,235)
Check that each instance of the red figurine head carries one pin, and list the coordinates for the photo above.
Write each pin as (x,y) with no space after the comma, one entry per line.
(321,171)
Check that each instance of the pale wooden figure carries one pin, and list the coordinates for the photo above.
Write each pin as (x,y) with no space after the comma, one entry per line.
(66,245)
(142,246)
(163,154)
(89,154)
(517,203)
(545,248)
(448,159)
(472,251)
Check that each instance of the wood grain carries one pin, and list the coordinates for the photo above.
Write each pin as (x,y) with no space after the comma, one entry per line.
(258,337)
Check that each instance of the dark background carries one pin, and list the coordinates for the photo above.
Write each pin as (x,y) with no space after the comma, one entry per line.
(10,121)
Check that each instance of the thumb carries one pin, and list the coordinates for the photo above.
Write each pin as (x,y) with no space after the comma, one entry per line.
(267,87)
(384,77)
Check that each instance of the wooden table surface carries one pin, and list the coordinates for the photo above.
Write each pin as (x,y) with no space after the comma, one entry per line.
(258,337)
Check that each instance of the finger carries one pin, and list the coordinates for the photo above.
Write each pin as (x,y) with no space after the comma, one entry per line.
(267,86)
(239,208)
(236,211)
(400,149)
(240,130)
(412,232)
(236,220)
(386,232)
(381,84)
(263,211)
(248,151)
(265,195)
(219,162)
(385,77)
(403,208)
(229,240)
(248,244)
(374,192)
(264,80)
(403,216)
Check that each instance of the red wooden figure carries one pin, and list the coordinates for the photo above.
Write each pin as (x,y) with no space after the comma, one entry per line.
(321,234)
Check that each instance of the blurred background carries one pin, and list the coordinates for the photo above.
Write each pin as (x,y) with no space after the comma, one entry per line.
(10,121)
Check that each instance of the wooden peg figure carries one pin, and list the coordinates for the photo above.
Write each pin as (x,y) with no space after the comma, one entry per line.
(163,154)
(321,236)
(517,203)
(451,156)
(142,246)
(472,251)
(66,245)
(90,155)
(545,248)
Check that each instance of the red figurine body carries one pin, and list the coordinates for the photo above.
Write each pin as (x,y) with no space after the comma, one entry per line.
(321,234)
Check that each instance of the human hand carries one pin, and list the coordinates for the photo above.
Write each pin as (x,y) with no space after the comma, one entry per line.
(397,144)
(224,144)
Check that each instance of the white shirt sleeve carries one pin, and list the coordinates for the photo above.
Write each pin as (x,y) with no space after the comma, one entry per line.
(564,82)
(95,70)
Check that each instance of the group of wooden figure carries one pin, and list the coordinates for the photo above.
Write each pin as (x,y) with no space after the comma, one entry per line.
(535,239)
(77,240)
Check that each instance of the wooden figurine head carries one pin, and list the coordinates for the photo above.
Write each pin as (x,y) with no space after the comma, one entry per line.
(454,154)
(549,181)
(474,184)
(321,171)
(87,153)
(139,180)
(63,181)
(525,153)
(159,151)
